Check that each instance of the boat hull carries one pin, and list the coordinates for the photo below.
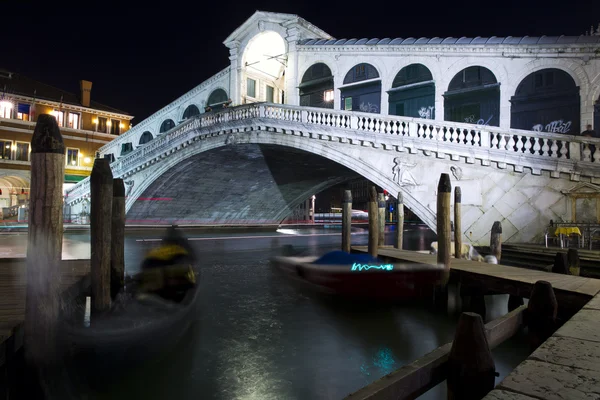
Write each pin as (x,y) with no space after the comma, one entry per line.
(403,282)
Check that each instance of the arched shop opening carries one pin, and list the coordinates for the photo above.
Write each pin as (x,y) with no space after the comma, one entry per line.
(190,111)
(145,138)
(166,126)
(362,89)
(413,93)
(316,88)
(473,97)
(546,101)
(216,100)
(263,72)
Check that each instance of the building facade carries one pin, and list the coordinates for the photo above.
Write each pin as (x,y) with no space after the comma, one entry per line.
(85,125)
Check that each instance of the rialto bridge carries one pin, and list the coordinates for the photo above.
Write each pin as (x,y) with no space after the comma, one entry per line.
(298,111)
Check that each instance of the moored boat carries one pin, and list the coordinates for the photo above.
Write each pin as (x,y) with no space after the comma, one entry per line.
(362,276)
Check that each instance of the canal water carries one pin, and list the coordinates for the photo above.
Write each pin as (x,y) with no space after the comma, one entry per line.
(259,336)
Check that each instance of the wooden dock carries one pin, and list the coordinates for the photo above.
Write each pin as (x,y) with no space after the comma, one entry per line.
(13,279)
(566,366)
(572,292)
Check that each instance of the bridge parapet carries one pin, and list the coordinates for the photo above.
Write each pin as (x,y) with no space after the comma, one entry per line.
(517,149)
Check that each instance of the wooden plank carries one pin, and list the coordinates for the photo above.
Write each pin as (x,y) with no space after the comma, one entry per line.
(414,379)
(506,395)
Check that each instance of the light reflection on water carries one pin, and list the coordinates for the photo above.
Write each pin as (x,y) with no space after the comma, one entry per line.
(261,337)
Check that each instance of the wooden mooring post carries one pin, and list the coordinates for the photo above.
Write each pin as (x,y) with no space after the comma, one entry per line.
(573,262)
(541,315)
(381,210)
(117,247)
(496,240)
(457,223)
(471,367)
(347,221)
(399,221)
(44,241)
(101,188)
(443,221)
(373,222)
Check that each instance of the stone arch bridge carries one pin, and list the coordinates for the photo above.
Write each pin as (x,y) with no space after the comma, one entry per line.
(255,163)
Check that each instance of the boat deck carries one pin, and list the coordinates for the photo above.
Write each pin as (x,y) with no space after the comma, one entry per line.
(572,292)
(13,279)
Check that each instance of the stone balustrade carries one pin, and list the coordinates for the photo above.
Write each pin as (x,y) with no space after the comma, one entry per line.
(519,149)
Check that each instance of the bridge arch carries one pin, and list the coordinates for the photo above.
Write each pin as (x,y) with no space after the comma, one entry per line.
(473,96)
(145,137)
(166,125)
(190,111)
(368,171)
(217,98)
(316,88)
(364,97)
(412,92)
(545,97)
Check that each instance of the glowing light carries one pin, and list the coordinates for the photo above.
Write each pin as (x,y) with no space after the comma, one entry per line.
(328,96)
(121,125)
(87,160)
(6,104)
(95,121)
(366,267)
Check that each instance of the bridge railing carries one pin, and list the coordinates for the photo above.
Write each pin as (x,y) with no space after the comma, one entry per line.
(497,142)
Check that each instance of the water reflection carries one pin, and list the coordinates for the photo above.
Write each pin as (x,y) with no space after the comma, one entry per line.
(260,336)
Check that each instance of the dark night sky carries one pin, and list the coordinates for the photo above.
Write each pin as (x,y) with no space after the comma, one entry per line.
(140,59)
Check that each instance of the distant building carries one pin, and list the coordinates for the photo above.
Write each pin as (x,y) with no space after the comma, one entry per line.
(85,125)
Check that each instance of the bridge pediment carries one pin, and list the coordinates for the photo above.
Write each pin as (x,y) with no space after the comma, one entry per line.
(261,20)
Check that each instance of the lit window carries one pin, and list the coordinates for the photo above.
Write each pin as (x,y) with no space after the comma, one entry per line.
(60,117)
(6,108)
(328,95)
(22,151)
(102,123)
(23,111)
(5,152)
(251,92)
(72,157)
(74,120)
(115,127)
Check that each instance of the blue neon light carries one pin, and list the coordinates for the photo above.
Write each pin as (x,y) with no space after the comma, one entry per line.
(366,267)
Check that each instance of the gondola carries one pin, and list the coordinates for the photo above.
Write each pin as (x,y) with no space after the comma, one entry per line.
(361,276)
(139,328)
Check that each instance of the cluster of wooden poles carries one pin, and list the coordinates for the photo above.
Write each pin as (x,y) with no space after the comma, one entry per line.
(45,236)
(377,207)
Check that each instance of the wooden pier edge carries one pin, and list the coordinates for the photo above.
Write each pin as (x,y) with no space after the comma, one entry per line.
(416,378)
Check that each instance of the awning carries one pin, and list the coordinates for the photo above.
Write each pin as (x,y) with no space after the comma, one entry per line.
(74,178)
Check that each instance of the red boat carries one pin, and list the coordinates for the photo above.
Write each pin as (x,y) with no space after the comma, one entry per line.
(355,276)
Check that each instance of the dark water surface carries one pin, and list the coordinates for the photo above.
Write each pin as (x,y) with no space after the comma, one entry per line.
(258,336)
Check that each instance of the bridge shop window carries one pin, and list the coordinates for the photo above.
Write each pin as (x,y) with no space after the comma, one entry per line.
(145,138)
(363,89)
(413,93)
(166,126)
(316,87)
(126,148)
(217,99)
(72,157)
(190,111)
(546,101)
(251,87)
(270,94)
(5,149)
(473,97)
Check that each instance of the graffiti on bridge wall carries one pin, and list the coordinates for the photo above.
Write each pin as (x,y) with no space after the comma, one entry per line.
(480,122)
(369,107)
(426,112)
(558,126)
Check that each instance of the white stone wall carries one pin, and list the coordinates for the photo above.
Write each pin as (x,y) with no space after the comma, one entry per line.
(510,65)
